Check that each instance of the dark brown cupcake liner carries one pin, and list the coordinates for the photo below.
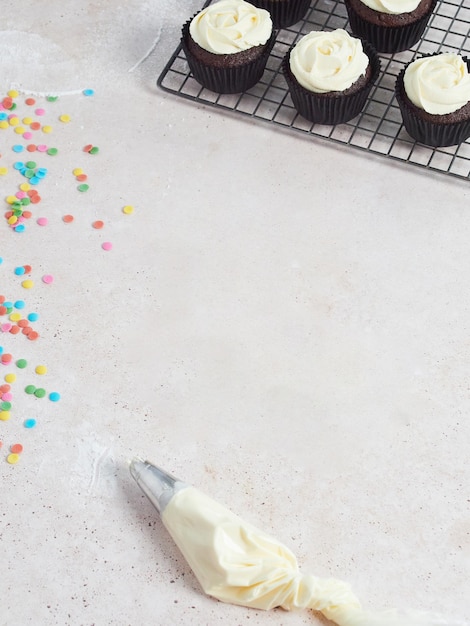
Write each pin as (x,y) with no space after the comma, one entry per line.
(226,79)
(284,13)
(327,108)
(388,39)
(435,134)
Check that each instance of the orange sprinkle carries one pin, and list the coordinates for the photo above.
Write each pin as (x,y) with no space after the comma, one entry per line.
(33,335)
(15,329)
(16,448)
(27,214)
(68,218)
(5,388)
(27,269)
(30,101)
(81,178)
(3,310)
(98,224)
(31,147)
(23,323)
(88,147)
(27,330)
(6,357)
(8,214)
(35,125)
(35,199)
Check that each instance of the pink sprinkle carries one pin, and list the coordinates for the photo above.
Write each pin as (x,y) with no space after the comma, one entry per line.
(27,135)
(12,116)
(107,245)
(42,221)
(7,396)
(47,278)
(40,111)
(41,148)
(21,194)
(6,327)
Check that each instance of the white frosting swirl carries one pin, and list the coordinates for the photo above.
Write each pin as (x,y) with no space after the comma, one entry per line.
(393,7)
(230,26)
(328,61)
(439,84)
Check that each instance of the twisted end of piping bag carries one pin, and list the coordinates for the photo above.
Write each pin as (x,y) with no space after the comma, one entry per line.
(239,564)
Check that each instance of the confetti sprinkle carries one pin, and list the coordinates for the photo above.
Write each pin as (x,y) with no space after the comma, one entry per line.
(68,219)
(21,363)
(29,423)
(88,92)
(48,279)
(98,224)
(54,396)
(13,458)
(27,284)
(16,448)
(128,209)
(107,245)
(40,369)
(83,187)
(65,118)
(42,221)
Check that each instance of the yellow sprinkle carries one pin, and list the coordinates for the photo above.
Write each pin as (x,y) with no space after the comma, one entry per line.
(4,124)
(77,171)
(11,199)
(15,317)
(13,93)
(27,284)
(10,378)
(47,129)
(3,171)
(14,121)
(12,219)
(25,187)
(13,458)
(19,130)
(27,120)
(4,416)
(128,209)
(65,118)
(41,369)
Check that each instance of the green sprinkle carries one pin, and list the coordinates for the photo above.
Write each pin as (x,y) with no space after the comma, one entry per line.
(52,98)
(5,406)
(31,164)
(52,151)
(83,187)
(21,363)
(30,389)
(94,150)
(40,392)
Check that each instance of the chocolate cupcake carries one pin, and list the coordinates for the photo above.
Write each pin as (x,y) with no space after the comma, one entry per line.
(433,93)
(389,25)
(227,45)
(330,75)
(284,13)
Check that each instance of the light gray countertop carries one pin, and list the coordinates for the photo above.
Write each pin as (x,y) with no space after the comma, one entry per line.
(282,322)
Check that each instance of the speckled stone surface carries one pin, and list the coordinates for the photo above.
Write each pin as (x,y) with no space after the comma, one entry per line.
(282,322)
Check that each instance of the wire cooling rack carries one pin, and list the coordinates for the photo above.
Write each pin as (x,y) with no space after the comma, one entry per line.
(379,127)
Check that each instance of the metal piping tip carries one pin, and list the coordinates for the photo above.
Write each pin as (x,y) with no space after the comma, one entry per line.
(158,485)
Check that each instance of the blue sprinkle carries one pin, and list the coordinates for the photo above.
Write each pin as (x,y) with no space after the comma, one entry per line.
(20,228)
(54,396)
(33,317)
(3,115)
(30,423)
(41,172)
(34,180)
(88,92)
(19,271)
(18,148)
(19,304)
(1,260)
(8,305)
(18,165)
(1,349)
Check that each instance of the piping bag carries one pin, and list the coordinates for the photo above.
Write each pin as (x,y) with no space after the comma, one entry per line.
(237,563)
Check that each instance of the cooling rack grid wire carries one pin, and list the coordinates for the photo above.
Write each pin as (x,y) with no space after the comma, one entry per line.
(378,129)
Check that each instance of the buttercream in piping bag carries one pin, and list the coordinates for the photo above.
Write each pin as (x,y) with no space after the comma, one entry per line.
(392,7)
(231,26)
(237,563)
(439,84)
